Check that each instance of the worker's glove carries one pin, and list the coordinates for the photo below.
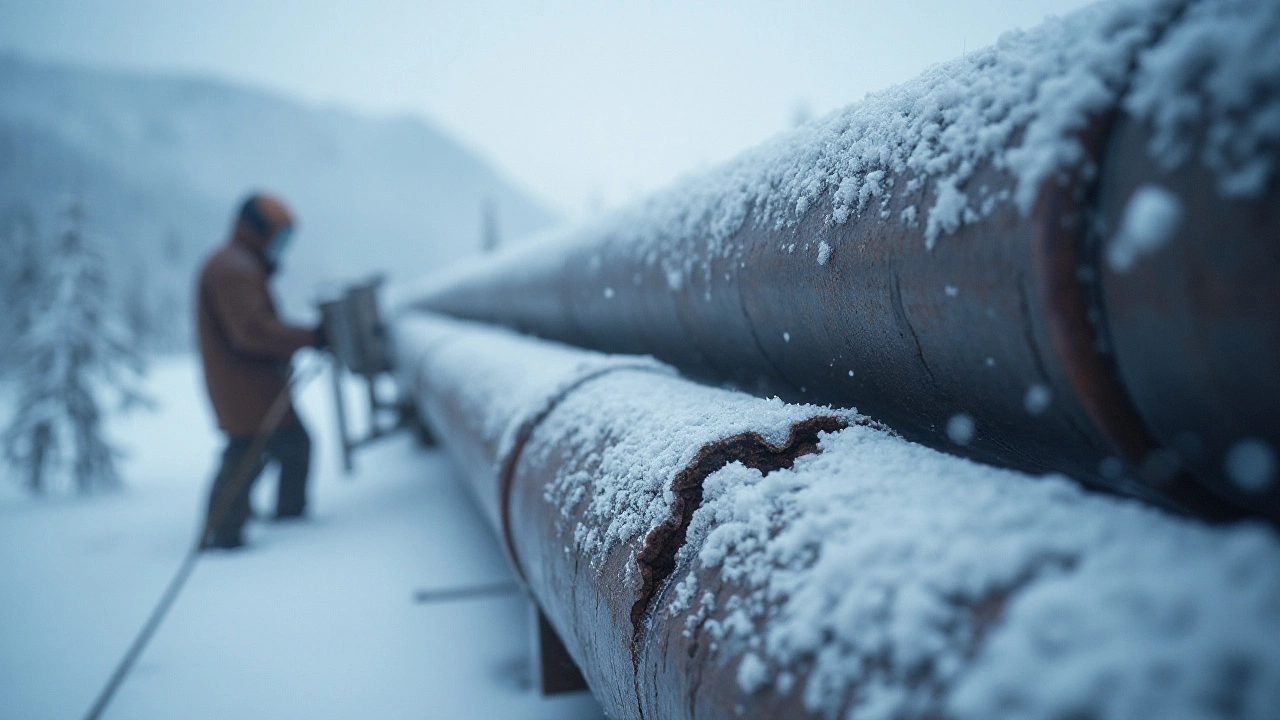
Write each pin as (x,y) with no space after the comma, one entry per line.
(322,338)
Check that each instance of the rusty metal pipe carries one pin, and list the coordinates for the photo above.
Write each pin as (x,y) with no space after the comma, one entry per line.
(1010,327)
(609,477)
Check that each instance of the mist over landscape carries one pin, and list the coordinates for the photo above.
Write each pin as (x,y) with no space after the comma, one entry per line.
(159,163)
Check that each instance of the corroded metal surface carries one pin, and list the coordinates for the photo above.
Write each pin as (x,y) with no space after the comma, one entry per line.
(486,425)
(1003,308)
(599,474)
(602,608)
(1194,327)
(608,607)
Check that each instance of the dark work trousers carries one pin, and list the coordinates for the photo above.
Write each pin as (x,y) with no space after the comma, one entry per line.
(289,446)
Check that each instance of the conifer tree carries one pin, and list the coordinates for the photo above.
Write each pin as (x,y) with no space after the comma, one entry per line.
(72,354)
(19,276)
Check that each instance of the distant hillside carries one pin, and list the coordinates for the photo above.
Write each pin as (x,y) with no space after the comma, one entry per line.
(158,162)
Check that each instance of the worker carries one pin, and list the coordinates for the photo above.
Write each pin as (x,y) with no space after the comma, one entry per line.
(246,350)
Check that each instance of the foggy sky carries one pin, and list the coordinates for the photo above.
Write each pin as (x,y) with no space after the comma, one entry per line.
(583,104)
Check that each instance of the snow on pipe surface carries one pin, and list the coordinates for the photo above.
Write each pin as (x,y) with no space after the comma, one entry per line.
(709,554)
(1056,253)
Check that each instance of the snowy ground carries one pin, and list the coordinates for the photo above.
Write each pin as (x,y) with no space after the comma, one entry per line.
(316,620)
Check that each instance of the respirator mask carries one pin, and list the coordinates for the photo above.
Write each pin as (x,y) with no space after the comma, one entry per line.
(277,245)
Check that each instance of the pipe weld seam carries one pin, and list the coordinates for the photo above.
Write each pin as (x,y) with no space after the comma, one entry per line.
(508,460)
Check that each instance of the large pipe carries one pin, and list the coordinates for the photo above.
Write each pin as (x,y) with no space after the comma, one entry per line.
(1057,253)
(704,553)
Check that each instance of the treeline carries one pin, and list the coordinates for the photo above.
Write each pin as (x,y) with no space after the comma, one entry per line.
(147,294)
(73,350)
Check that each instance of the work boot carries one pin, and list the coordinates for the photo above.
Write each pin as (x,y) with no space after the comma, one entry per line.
(225,542)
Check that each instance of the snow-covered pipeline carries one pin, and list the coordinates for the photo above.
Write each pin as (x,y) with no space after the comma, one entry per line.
(1061,248)
(708,554)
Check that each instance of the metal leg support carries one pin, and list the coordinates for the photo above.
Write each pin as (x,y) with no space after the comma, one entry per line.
(554,671)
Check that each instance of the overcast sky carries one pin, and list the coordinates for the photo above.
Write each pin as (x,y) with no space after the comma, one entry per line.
(583,104)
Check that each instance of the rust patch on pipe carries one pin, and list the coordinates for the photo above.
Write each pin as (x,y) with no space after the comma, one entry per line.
(657,557)
(1057,254)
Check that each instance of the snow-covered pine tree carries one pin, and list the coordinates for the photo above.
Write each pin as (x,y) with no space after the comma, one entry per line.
(19,276)
(71,353)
